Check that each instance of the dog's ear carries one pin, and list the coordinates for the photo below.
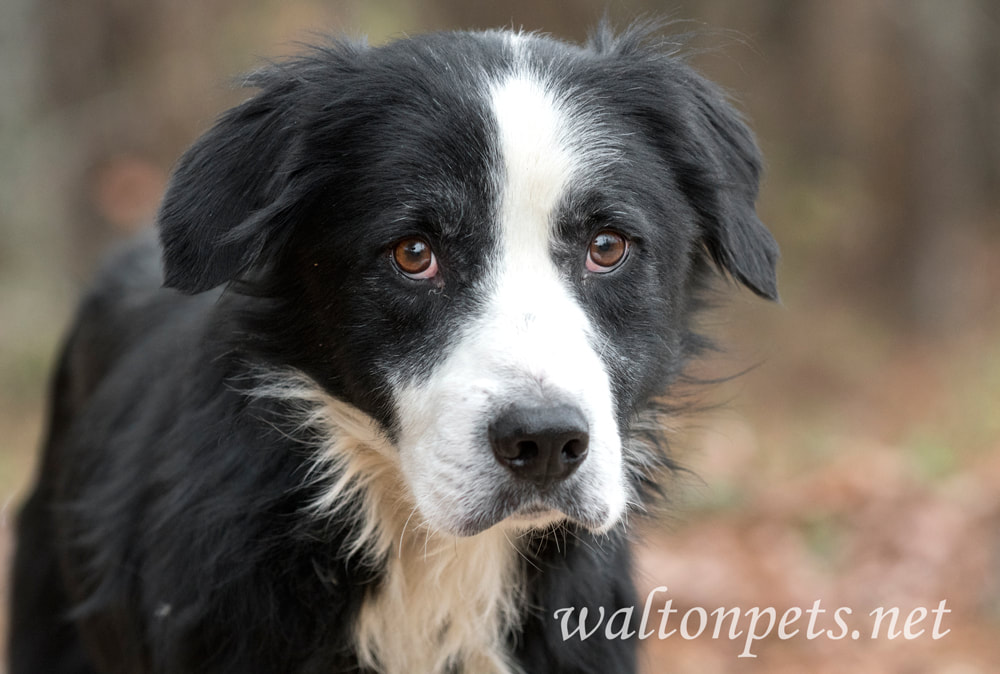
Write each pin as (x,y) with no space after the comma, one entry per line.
(703,139)
(721,180)
(223,206)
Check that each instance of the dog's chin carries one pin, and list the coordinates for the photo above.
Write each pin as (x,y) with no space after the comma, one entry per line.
(531,516)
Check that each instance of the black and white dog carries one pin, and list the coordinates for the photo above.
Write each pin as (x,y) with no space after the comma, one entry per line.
(392,407)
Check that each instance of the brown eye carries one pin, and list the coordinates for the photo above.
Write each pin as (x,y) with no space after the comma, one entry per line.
(607,250)
(413,256)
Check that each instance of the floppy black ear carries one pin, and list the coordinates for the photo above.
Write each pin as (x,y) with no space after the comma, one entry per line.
(722,183)
(222,206)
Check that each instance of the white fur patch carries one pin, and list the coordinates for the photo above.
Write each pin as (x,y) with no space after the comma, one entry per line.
(446,603)
(535,324)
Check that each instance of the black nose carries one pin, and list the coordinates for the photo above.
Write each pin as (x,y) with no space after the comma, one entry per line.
(542,444)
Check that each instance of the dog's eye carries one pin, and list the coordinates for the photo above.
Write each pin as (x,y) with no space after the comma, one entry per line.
(413,256)
(607,251)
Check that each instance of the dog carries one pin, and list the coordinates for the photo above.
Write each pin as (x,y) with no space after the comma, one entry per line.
(380,397)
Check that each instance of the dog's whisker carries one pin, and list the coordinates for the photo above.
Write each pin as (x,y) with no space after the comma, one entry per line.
(403,532)
(520,552)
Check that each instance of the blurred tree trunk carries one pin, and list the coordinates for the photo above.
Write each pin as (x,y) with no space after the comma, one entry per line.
(940,198)
(896,103)
(939,189)
(120,82)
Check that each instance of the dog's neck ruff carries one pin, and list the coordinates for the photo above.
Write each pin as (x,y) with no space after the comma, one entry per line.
(444,603)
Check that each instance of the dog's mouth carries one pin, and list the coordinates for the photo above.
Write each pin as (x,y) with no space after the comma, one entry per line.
(531,510)
(535,512)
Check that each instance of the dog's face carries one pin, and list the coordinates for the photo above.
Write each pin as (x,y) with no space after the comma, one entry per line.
(490,244)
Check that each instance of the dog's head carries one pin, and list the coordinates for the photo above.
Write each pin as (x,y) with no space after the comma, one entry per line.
(489,243)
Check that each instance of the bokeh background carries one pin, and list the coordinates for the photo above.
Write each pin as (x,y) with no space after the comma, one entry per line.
(857,462)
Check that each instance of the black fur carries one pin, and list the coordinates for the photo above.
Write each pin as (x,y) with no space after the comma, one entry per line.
(167,531)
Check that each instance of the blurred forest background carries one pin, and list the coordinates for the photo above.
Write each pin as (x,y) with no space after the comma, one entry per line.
(857,462)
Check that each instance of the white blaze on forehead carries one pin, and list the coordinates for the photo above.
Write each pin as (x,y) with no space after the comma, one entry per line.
(538,163)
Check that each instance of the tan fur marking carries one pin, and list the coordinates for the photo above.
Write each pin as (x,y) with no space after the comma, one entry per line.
(446,602)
